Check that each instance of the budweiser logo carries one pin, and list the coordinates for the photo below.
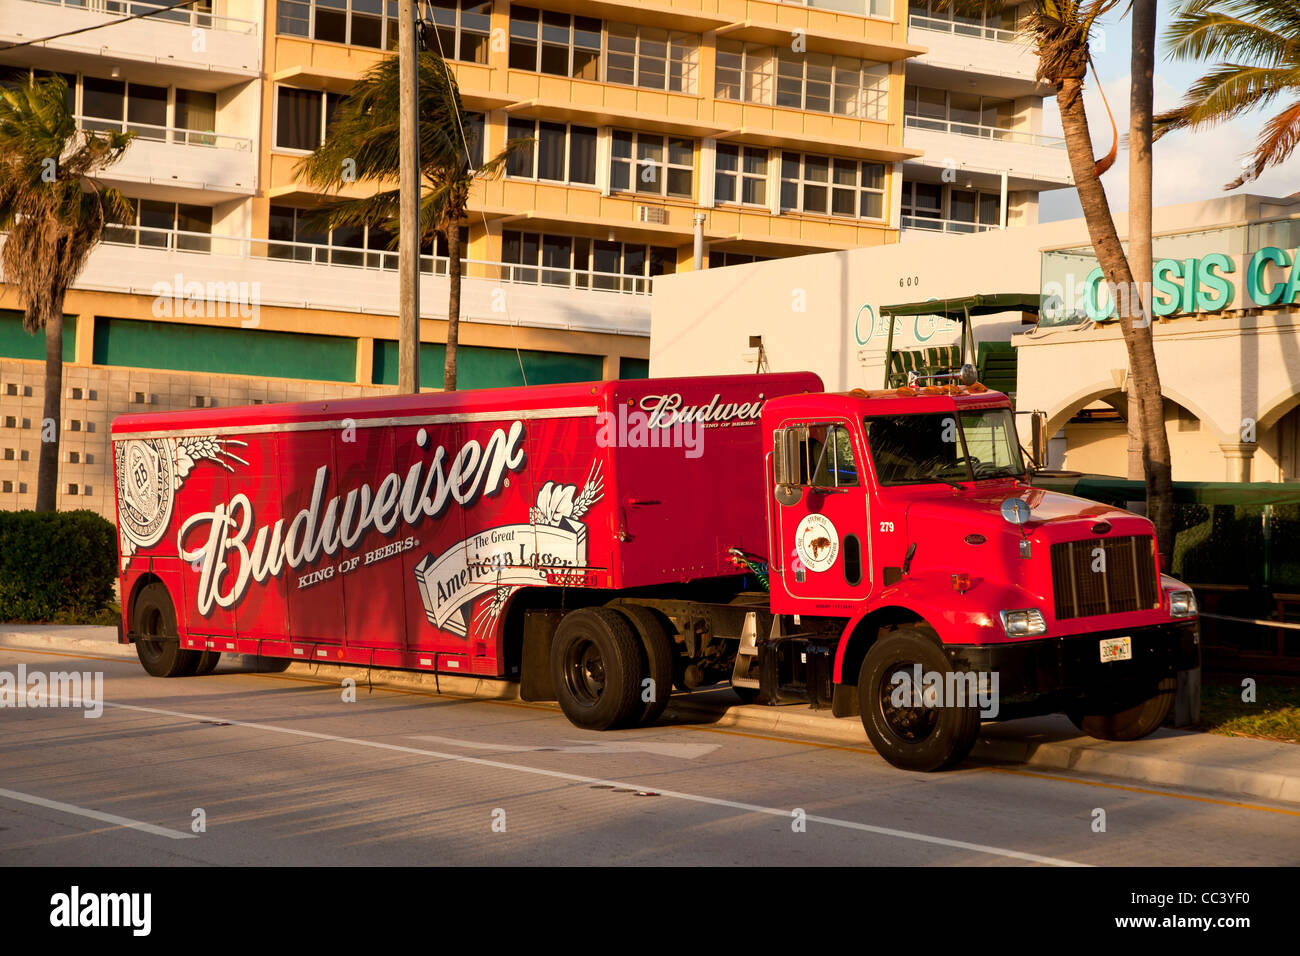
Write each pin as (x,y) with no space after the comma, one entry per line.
(324,526)
(664,411)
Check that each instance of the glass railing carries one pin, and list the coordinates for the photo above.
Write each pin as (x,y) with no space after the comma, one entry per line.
(188,15)
(995,133)
(882,9)
(167,134)
(926,224)
(348,257)
(919,22)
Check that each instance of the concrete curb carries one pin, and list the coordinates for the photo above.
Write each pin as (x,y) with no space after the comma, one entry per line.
(1152,761)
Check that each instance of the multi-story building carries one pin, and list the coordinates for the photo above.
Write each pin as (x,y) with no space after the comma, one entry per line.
(754,129)
(974,107)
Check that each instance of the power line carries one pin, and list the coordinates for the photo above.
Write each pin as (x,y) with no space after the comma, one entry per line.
(97,26)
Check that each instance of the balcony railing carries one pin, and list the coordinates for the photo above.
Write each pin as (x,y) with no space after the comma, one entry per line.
(995,133)
(940,25)
(944,225)
(881,9)
(203,19)
(167,134)
(175,240)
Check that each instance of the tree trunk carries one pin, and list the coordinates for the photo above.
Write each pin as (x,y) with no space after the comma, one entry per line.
(453,306)
(1160,505)
(47,474)
(1137,335)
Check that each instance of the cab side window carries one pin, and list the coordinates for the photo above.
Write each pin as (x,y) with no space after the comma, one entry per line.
(829,461)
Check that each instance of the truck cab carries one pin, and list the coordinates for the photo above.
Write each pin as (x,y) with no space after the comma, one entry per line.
(919,580)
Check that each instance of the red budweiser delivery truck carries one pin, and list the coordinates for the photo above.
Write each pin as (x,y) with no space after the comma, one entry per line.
(878,553)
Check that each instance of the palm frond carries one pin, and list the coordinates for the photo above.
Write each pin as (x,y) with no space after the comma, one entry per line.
(1277,142)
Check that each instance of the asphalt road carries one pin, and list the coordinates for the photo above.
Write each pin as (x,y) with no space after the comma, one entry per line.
(281,769)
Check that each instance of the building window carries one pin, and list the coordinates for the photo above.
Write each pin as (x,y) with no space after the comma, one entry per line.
(990,25)
(649,163)
(542,41)
(164,225)
(559,153)
(652,58)
(290,236)
(922,201)
(837,187)
(949,208)
(139,108)
(463,28)
(584,263)
(806,81)
(719,259)
(964,113)
(741,175)
(303,117)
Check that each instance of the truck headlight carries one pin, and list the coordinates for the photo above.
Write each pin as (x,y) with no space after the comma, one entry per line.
(1026,623)
(1182,604)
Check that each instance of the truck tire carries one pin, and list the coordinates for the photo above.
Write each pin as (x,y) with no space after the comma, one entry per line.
(1132,723)
(272,665)
(596,668)
(208,661)
(912,737)
(158,645)
(657,654)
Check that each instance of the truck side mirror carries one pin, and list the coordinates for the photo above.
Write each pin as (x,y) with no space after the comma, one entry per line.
(787,461)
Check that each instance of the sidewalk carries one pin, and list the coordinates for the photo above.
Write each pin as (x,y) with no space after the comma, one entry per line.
(1234,766)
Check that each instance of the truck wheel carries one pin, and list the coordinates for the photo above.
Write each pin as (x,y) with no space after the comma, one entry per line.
(272,665)
(913,737)
(208,661)
(158,645)
(596,668)
(1132,723)
(657,654)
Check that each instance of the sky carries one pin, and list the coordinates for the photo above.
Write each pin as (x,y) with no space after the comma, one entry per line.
(1187,166)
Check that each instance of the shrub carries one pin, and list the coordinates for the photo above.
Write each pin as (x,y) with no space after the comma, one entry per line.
(58,564)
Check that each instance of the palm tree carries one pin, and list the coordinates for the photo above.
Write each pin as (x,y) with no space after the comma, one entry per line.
(1258,45)
(363,143)
(1060,31)
(54,213)
(1141,94)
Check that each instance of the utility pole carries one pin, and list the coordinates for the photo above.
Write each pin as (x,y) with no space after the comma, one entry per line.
(408,255)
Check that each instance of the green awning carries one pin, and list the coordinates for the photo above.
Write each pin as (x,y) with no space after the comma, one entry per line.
(1119,490)
(982,304)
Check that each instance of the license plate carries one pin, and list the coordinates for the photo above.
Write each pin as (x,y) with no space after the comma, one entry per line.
(1116,649)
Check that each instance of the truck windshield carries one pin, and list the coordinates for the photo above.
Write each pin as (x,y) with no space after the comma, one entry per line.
(944,446)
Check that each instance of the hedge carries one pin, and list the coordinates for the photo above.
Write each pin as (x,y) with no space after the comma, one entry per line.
(55,563)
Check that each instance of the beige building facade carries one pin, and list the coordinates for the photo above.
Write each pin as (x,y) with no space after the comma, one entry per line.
(1227,329)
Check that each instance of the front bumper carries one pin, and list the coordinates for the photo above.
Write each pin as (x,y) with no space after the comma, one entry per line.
(1046,674)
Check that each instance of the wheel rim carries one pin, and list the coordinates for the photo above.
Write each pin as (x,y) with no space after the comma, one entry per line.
(584,672)
(909,723)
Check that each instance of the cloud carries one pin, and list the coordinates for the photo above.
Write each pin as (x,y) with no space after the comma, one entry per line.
(1187,166)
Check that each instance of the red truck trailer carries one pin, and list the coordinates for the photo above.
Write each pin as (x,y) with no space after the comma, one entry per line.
(878,553)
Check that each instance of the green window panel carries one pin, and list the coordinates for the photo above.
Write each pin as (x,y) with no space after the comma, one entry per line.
(201,348)
(483,367)
(633,367)
(15,342)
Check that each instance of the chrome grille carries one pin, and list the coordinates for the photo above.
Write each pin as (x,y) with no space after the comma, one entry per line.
(1124,581)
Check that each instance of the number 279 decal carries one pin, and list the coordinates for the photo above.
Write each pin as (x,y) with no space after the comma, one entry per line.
(886,526)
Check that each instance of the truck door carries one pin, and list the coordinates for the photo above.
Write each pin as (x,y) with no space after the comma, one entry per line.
(822,530)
